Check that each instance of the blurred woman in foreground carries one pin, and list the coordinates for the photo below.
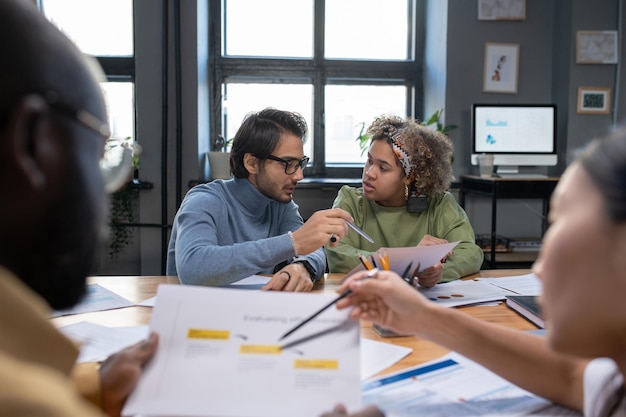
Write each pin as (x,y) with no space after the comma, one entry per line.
(581,362)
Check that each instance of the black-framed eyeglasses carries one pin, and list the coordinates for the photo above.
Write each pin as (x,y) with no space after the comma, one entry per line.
(82,116)
(291,165)
(115,176)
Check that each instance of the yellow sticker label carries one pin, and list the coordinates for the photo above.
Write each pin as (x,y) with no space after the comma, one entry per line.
(316,364)
(261,349)
(208,334)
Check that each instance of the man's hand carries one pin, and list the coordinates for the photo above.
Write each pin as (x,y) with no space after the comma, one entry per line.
(120,372)
(321,226)
(293,277)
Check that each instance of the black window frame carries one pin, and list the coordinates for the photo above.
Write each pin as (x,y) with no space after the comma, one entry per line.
(319,72)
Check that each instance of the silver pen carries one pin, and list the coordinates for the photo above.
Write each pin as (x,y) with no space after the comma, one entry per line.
(359,231)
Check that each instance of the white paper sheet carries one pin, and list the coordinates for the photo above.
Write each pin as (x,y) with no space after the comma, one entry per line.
(450,386)
(97,298)
(378,356)
(219,355)
(98,342)
(528,284)
(459,293)
(148,303)
(253,282)
(399,258)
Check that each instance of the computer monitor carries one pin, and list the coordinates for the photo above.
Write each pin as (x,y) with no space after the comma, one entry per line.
(515,134)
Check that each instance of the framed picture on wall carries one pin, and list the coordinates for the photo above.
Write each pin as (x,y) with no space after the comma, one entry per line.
(593,100)
(500,72)
(596,47)
(501,9)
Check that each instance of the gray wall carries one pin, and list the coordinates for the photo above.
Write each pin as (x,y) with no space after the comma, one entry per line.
(453,81)
(547,67)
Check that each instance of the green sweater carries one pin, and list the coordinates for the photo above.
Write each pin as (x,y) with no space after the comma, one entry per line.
(395,227)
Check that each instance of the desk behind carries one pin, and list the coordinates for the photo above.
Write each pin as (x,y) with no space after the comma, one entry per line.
(140,288)
(508,188)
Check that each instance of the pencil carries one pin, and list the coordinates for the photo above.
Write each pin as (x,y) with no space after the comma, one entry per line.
(384,259)
(365,262)
(372,273)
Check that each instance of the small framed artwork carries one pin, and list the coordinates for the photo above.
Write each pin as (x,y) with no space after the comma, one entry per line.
(501,9)
(593,100)
(500,72)
(596,47)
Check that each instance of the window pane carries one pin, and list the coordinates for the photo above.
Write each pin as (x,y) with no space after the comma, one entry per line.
(241,99)
(119,98)
(348,107)
(271,28)
(367,29)
(98,27)
(120,101)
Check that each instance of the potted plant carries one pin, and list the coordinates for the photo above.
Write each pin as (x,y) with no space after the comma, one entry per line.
(363,139)
(219,159)
(123,202)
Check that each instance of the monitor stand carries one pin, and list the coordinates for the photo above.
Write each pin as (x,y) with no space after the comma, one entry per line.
(505,171)
(512,171)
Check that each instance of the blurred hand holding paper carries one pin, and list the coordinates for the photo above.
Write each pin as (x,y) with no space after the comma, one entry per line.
(399,258)
(219,355)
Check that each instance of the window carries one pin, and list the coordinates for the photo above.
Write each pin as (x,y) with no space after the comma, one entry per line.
(339,63)
(85,22)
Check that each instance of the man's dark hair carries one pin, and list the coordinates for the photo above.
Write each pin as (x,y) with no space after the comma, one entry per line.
(260,134)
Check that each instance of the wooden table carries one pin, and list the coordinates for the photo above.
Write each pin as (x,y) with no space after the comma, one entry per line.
(140,288)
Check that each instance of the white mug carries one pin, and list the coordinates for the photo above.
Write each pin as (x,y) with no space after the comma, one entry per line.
(485,161)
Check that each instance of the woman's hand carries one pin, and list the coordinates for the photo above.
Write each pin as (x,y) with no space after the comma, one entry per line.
(341,411)
(387,300)
(430,276)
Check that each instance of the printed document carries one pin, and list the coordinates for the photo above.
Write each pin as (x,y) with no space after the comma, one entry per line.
(97,298)
(220,355)
(528,284)
(460,293)
(400,258)
(452,386)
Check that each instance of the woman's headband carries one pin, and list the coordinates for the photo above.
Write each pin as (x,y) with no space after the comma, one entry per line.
(398,145)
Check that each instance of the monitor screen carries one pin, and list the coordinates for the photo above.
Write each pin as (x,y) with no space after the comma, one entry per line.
(516,134)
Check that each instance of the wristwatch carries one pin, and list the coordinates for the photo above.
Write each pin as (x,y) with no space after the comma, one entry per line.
(307,265)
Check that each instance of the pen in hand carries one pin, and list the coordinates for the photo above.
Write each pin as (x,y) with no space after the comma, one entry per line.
(372,273)
(333,237)
(359,231)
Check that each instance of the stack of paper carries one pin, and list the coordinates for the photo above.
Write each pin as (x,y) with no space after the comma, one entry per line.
(219,354)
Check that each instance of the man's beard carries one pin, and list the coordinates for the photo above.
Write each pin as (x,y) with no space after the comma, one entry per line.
(65,250)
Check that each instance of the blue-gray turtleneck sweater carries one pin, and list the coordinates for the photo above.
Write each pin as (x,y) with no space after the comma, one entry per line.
(227,230)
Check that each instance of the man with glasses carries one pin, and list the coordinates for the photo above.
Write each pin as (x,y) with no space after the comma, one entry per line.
(227,230)
(52,138)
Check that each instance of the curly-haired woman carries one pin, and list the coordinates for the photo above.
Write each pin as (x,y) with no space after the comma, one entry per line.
(404,201)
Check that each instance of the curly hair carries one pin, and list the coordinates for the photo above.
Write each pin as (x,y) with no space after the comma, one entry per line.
(429,151)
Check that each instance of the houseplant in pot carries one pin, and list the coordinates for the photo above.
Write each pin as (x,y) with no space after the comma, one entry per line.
(363,139)
(219,159)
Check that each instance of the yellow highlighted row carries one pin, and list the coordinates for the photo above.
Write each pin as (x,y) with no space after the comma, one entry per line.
(261,349)
(208,334)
